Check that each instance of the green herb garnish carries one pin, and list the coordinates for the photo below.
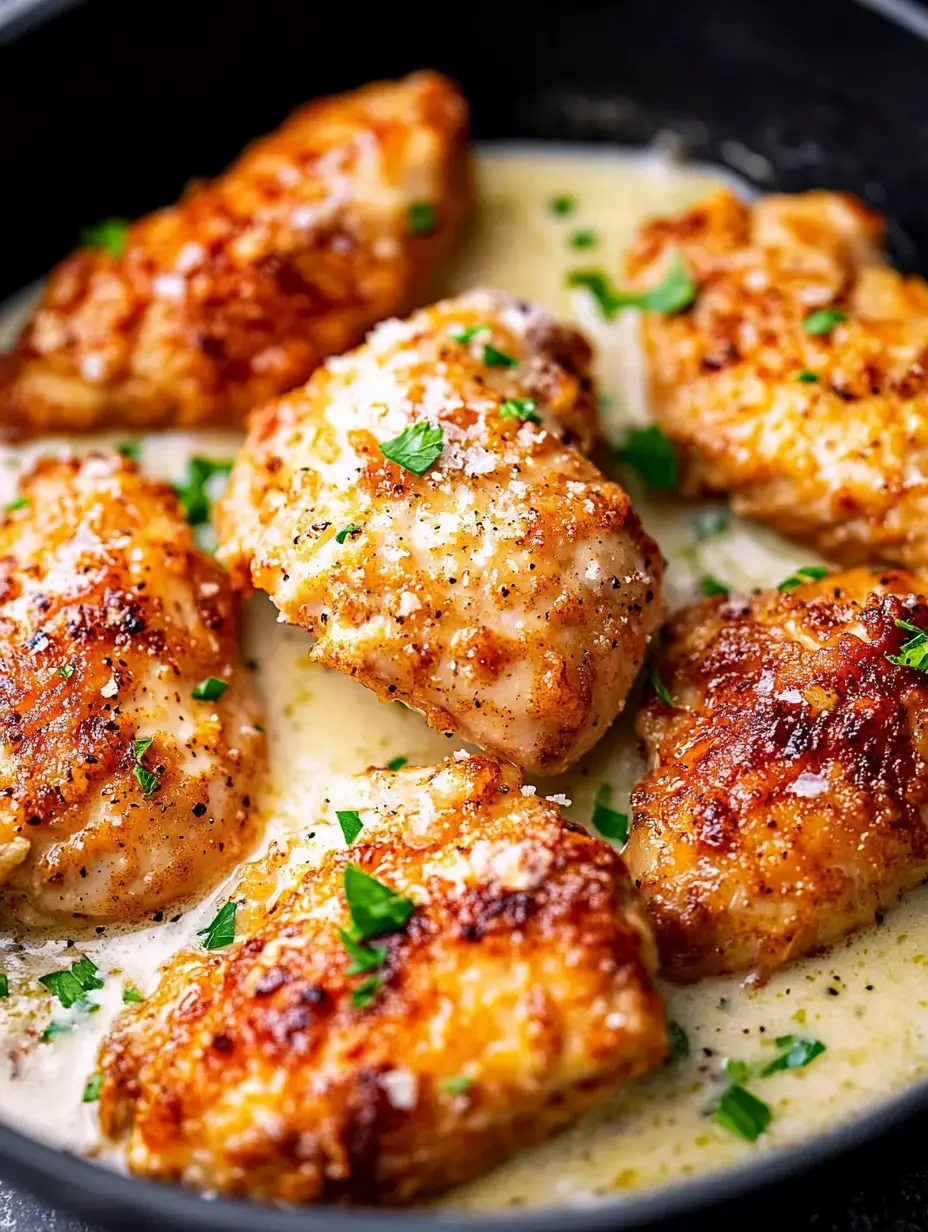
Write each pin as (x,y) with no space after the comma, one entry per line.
(203,485)
(676,292)
(140,747)
(92,1089)
(373,906)
(71,986)
(914,652)
(494,358)
(519,408)
(4,986)
(366,991)
(364,957)
(147,779)
(737,1071)
(131,995)
(416,447)
(397,763)
(607,821)
(210,689)
(823,321)
(679,1041)
(420,218)
(108,234)
(220,932)
(808,378)
(583,239)
(657,684)
(351,529)
(808,573)
(710,585)
(66,671)
(798,1053)
(457,1085)
(468,333)
(742,1114)
(562,205)
(350,823)
(130,449)
(649,452)
(55,1028)
(20,503)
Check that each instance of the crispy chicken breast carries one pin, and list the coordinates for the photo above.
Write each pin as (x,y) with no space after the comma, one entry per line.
(424,508)
(813,422)
(510,992)
(320,229)
(788,802)
(120,790)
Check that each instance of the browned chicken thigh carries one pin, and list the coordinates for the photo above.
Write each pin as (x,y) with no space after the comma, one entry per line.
(466,977)
(797,383)
(789,796)
(423,507)
(130,739)
(205,308)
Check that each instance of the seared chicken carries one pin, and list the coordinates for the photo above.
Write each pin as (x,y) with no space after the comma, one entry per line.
(511,991)
(120,791)
(789,796)
(502,585)
(816,424)
(320,229)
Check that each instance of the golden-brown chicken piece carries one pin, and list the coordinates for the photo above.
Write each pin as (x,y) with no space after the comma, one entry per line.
(788,802)
(508,994)
(508,592)
(120,792)
(823,435)
(320,229)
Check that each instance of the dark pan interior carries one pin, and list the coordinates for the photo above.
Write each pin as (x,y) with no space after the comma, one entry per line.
(110,106)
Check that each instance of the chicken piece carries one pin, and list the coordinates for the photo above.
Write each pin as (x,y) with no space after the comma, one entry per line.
(518,993)
(789,796)
(235,295)
(822,435)
(119,791)
(508,592)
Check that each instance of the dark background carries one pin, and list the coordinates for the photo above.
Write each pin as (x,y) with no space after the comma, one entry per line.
(109,108)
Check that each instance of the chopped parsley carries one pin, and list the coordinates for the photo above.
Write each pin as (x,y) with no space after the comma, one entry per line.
(71,986)
(92,1089)
(737,1071)
(808,573)
(563,205)
(709,523)
(109,234)
(676,292)
(606,820)
(366,991)
(519,408)
(457,1085)
(914,652)
(710,586)
(494,358)
(204,483)
(373,906)
(55,1028)
(416,447)
(20,503)
(397,763)
(798,1053)
(363,957)
(807,377)
(583,239)
(679,1041)
(658,685)
(4,986)
(210,689)
(651,455)
(66,671)
(822,321)
(468,333)
(220,932)
(351,529)
(147,779)
(742,1114)
(130,449)
(131,995)
(350,823)
(421,218)
(140,747)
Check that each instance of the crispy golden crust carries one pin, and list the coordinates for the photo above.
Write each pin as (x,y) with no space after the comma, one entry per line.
(525,969)
(510,592)
(839,462)
(787,803)
(237,293)
(109,616)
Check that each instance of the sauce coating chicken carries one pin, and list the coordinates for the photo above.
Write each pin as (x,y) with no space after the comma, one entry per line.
(119,791)
(823,435)
(320,229)
(513,997)
(788,802)
(508,592)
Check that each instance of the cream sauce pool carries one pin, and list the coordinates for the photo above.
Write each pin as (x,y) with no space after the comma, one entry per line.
(867,1000)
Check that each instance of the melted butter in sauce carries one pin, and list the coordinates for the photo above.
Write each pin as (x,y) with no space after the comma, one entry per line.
(322,726)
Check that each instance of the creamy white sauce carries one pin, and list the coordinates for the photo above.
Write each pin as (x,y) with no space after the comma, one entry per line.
(322,726)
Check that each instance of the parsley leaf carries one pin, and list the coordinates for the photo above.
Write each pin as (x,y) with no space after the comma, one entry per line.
(140,747)
(131,995)
(914,652)
(373,906)
(807,378)
(808,573)
(676,292)
(71,986)
(799,1052)
(519,408)
(420,218)
(658,685)
(562,205)
(19,503)
(397,763)
(351,529)
(494,358)
(416,447)
(737,1071)
(350,823)
(467,333)
(651,455)
(147,779)
(710,586)
(364,957)
(4,986)
(66,671)
(108,234)
(92,1089)
(742,1114)
(130,449)
(583,239)
(55,1028)
(220,932)
(457,1085)
(210,689)
(203,484)
(822,321)
(366,991)
(607,821)
(679,1041)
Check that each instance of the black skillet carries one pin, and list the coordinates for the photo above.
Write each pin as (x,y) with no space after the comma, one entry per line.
(109,106)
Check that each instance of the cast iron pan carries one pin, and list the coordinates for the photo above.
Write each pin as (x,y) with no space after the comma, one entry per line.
(109,106)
